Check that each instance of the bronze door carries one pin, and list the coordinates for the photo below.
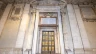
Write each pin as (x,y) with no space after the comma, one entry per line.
(48,42)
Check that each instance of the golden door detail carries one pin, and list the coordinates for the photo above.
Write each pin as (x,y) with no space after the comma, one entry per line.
(48,42)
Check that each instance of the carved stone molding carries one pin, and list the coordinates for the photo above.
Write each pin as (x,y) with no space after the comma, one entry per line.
(89,20)
(50,1)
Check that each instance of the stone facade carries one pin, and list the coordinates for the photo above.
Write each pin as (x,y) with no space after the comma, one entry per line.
(74,29)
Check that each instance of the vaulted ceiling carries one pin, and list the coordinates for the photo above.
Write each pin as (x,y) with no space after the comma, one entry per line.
(68,1)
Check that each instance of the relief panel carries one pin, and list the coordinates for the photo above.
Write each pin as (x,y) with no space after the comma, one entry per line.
(16,12)
(88,13)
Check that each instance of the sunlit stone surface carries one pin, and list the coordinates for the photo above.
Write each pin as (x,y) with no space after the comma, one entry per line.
(23,23)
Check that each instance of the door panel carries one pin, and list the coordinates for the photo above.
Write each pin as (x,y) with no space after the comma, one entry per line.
(48,42)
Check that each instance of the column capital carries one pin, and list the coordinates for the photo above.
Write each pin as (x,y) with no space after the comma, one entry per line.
(63,5)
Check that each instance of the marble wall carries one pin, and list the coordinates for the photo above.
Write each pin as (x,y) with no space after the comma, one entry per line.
(9,32)
(82,22)
(89,17)
(79,28)
(88,13)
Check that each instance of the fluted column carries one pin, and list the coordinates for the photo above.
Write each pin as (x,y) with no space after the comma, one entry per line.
(23,26)
(35,33)
(4,17)
(62,46)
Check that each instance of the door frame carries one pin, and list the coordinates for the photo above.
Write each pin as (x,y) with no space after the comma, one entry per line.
(55,36)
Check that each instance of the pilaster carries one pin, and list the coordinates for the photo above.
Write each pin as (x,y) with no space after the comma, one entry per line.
(4,17)
(62,44)
(78,45)
(35,33)
(23,26)
(83,33)
(69,46)
(29,33)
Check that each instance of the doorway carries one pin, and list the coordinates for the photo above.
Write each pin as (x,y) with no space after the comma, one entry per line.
(48,42)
